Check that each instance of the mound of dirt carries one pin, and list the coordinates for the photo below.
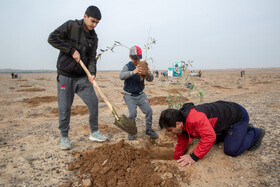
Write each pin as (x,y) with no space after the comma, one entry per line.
(36,101)
(75,110)
(176,90)
(32,90)
(121,164)
(160,100)
(25,86)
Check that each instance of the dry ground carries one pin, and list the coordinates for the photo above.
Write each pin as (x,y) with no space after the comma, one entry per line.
(30,142)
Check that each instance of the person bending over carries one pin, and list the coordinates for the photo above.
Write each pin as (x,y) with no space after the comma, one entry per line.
(220,121)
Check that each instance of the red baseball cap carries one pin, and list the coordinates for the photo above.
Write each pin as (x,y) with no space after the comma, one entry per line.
(135,52)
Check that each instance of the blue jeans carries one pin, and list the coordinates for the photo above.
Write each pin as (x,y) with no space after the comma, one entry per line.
(238,138)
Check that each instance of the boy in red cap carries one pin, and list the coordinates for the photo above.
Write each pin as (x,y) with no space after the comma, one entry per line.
(133,91)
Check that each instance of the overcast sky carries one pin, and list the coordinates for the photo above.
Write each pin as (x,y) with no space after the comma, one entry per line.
(214,34)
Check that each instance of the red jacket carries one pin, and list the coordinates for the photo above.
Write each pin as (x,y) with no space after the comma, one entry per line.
(197,125)
(206,121)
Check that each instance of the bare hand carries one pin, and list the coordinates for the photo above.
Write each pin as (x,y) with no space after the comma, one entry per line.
(138,70)
(76,56)
(91,78)
(184,160)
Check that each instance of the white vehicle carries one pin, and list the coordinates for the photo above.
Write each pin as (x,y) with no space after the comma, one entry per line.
(198,74)
(194,74)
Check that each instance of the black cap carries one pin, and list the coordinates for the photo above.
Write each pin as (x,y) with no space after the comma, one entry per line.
(93,11)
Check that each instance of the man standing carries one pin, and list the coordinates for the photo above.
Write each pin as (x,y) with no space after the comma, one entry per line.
(220,121)
(77,40)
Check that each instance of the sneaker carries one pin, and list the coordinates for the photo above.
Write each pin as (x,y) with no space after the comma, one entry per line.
(152,133)
(258,143)
(65,143)
(131,137)
(97,136)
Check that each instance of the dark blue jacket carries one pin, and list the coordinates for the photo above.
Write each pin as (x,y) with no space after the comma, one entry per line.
(132,82)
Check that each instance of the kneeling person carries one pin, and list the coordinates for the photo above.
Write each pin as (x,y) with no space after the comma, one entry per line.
(220,121)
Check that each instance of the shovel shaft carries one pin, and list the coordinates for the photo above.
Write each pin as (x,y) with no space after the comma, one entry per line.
(95,85)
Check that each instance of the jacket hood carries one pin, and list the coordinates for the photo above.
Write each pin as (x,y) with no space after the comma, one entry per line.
(185,109)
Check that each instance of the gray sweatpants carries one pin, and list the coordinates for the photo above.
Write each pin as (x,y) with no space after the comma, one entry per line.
(66,89)
(141,100)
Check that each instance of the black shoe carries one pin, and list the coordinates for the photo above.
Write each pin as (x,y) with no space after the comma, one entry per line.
(250,126)
(258,143)
(152,133)
(131,137)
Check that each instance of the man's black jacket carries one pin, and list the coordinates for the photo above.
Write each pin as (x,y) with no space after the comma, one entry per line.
(70,37)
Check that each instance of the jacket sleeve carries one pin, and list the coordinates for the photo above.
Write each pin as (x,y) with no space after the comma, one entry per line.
(181,147)
(125,73)
(203,127)
(58,39)
(92,59)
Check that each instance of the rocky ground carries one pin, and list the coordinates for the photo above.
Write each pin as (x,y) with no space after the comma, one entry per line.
(30,141)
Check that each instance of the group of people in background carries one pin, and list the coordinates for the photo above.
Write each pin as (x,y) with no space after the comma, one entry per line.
(14,75)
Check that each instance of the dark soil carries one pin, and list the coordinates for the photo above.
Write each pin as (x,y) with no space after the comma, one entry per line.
(32,90)
(145,69)
(36,101)
(161,100)
(75,110)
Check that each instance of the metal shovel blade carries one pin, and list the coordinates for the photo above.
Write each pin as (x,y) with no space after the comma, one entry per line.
(126,125)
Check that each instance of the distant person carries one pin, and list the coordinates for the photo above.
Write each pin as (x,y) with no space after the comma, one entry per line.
(133,91)
(242,74)
(199,73)
(220,121)
(77,40)
(156,73)
(14,75)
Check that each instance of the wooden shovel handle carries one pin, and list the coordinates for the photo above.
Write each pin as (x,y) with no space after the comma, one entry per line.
(95,85)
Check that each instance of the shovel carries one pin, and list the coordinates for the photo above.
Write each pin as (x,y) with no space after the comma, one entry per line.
(122,122)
